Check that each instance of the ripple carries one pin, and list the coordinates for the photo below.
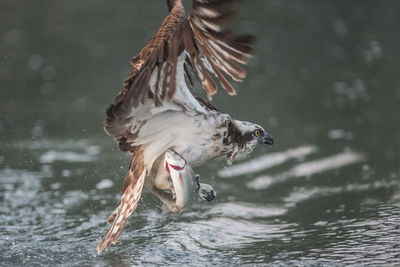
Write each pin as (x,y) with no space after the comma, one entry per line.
(219,232)
(52,156)
(309,168)
(54,144)
(376,243)
(105,183)
(53,214)
(266,161)
(304,193)
(246,210)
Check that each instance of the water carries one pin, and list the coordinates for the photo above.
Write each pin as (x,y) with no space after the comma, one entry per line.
(324,82)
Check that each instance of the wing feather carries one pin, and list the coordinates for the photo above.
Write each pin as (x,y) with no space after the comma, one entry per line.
(198,40)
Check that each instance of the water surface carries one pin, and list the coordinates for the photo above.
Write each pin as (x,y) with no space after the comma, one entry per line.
(324,82)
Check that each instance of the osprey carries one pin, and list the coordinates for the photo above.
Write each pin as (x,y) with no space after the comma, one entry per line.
(155,111)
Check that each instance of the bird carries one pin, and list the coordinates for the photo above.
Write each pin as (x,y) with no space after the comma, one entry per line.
(155,111)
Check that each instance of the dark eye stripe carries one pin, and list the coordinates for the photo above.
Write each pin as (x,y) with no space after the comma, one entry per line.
(247,137)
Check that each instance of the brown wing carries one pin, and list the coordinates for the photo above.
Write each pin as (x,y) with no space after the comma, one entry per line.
(217,49)
(158,72)
(131,193)
(209,50)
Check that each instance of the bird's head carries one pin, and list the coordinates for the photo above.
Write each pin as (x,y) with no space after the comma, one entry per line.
(171,4)
(245,136)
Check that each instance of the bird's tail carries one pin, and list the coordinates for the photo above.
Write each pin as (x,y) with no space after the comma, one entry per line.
(129,201)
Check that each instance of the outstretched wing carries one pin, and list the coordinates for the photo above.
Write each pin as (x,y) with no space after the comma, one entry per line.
(211,49)
(197,42)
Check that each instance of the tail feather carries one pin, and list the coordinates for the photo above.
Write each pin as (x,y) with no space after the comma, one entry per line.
(129,201)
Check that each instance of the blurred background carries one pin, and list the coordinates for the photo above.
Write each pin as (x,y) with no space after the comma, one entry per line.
(324,82)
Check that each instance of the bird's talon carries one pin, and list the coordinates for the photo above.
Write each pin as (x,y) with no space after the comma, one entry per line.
(197,182)
(206,192)
(210,196)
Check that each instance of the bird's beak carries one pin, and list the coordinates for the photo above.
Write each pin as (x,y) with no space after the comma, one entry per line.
(267,139)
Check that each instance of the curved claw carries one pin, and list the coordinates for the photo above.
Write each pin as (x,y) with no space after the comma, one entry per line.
(206,192)
(197,182)
(210,196)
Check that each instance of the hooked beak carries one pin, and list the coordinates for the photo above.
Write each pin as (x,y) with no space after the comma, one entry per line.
(267,139)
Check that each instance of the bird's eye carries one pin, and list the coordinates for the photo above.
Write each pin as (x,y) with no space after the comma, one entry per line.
(256,133)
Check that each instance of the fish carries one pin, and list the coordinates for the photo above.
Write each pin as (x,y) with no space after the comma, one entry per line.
(185,182)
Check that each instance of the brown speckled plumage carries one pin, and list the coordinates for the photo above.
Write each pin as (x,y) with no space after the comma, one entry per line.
(196,43)
(201,36)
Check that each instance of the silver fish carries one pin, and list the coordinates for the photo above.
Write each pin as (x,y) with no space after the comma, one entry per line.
(186,183)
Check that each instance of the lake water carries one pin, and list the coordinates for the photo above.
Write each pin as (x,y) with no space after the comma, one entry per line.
(324,82)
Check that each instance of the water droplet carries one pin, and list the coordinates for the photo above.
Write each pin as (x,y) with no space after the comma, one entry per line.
(47,87)
(35,62)
(66,173)
(106,183)
(48,73)
(13,36)
(339,26)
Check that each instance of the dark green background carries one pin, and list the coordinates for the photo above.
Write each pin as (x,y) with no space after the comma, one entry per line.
(319,66)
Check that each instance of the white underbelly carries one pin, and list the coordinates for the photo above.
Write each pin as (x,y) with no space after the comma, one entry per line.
(190,136)
(196,151)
